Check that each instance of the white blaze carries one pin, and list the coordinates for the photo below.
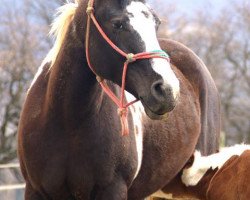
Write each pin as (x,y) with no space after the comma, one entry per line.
(145,27)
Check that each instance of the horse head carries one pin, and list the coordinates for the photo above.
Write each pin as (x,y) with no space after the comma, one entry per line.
(132,26)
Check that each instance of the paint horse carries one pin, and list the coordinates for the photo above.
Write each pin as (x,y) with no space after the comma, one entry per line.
(70,141)
(220,176)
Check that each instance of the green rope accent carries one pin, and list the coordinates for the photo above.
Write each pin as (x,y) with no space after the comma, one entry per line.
(160,53)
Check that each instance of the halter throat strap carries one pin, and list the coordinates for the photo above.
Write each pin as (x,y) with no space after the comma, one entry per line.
(129,58)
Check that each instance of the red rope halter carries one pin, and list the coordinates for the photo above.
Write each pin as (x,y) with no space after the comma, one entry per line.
(122,106)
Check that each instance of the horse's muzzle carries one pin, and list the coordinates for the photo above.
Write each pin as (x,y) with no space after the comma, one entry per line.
(161,100)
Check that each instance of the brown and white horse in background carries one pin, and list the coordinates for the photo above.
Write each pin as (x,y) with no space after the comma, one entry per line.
(220,176)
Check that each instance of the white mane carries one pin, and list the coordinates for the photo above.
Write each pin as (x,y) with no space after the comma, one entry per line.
(191,176)
(59,28)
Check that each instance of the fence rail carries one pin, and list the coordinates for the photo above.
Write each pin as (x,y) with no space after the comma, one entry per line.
(11,165)
(12,186)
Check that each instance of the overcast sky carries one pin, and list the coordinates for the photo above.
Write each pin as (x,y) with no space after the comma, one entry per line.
(190,6)
(187,5)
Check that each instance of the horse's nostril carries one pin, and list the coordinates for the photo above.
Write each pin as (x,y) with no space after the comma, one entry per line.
(161,91)
(157,88)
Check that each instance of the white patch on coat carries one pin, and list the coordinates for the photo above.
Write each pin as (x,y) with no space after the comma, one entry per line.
(137,112)
(38,73)
(191,176)
(145,27)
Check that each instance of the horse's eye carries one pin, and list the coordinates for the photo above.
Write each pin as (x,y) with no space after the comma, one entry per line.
(118,25)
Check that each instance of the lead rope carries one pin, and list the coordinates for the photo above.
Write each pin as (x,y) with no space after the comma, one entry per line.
(130,58)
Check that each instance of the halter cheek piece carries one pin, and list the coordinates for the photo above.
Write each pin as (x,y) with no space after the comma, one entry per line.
(122,106)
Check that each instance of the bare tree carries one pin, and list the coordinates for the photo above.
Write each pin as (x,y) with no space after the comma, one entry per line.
(15,70)
(223,43)
(23,44)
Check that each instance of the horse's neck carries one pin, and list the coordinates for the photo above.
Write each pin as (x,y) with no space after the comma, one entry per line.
(72,86)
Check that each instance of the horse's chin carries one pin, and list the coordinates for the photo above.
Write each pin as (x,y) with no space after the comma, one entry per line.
(154,116)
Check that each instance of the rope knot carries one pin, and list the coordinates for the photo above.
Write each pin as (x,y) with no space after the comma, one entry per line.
(89,10)
(99,79)
(122,111)
(130,58)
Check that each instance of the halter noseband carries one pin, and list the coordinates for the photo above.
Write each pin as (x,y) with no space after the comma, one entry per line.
(122,107)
